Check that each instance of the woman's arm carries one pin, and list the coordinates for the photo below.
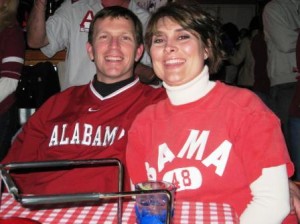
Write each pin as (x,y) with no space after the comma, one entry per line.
(270,204)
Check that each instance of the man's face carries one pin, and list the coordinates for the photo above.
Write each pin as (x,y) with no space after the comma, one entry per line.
(114,49)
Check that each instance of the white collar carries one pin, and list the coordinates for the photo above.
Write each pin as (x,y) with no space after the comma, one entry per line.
(190,91)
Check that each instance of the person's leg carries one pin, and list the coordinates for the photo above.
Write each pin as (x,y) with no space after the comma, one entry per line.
(281,97)
(9,125)
(265,98)
(294,144)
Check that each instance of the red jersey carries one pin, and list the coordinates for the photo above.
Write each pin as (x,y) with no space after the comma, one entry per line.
(211,149)
(80,124)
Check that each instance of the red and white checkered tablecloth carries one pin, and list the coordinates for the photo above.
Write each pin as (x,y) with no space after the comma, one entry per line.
(185,213)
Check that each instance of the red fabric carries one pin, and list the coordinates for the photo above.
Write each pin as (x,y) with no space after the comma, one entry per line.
(12,52)
(290,219)
(79,124)
(212,149)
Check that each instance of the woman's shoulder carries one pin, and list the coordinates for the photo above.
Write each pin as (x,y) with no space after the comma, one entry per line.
(240,97)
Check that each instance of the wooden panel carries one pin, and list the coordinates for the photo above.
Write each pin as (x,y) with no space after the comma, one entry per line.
(33,57)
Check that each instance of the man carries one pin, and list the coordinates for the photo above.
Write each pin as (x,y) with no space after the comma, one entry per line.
(89,121)
(68,29)
(281,22)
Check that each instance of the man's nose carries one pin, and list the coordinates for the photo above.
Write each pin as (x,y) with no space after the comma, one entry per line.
(114,42)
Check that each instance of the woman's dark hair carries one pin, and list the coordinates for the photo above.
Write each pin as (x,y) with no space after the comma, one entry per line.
(192,18)
(118,12)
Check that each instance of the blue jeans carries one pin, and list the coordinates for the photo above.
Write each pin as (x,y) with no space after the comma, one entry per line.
(294,144)
(281,97)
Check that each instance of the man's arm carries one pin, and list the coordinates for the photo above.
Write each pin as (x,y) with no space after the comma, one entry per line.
(36,28)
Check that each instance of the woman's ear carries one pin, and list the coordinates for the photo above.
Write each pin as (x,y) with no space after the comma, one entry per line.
(207,49)
(205,53)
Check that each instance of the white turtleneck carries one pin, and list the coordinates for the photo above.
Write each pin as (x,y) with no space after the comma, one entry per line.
(191,91)
(270,191)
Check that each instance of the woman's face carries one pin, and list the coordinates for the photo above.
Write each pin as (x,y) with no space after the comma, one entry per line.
(177,55)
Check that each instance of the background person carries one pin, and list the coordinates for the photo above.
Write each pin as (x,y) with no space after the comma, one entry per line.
(203,136)
(89,121)
(12,50)
(294,120)
(281,22)
(68,29)
(261,84)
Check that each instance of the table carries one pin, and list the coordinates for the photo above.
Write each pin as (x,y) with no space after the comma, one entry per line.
(33,56)
(185,212)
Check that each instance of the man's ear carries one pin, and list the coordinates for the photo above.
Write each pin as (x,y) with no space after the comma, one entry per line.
(139,52)
(89,49)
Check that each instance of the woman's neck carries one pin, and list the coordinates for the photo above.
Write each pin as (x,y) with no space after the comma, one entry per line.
(191,91)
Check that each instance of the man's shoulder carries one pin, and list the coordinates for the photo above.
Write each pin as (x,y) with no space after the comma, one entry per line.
(144,95)
(152,90)
(72,92)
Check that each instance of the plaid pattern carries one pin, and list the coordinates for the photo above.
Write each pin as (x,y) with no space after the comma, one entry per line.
(185,213)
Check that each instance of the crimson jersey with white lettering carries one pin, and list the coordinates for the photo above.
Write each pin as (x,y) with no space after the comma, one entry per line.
(214,155)
(68,29)
(75,124)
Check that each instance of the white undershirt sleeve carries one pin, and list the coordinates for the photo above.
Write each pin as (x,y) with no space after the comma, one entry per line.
(7,86)
(270,204)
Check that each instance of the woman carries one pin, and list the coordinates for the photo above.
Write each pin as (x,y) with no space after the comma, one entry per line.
(217,143)
(12,49)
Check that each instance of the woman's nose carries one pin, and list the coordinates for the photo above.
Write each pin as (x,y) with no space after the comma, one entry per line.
(170,47)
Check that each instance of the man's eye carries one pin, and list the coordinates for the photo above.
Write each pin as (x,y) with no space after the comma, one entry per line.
(126,38)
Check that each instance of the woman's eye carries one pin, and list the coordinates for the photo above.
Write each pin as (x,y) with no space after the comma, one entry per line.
(157,40)
(183,37)
(102,37)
